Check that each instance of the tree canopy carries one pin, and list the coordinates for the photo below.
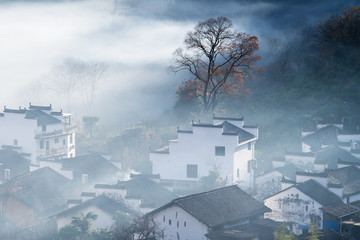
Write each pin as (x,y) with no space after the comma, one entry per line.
(216,57)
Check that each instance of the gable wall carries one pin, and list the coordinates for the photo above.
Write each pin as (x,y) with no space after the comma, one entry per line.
(290,205)
(194,229)
(198,149)
(15,126)
(242,156)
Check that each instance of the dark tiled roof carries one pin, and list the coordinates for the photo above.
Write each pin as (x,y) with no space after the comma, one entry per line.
(332,155)
(352,188)
(228,118)
(284,180)
(14,161)
(37,107)
(318,192)
(220,206)
(20,110)
(43,190)
(184,131)
(326,135)
(303,154)
(41,117)
(148,190)
(312,174)
(345,175)
(88,194)
(104,203)
(109,186)
(94,165)
(341,210)
(57,113)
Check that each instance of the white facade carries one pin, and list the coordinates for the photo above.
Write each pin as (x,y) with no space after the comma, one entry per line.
(207,147)
(292,205)
(22,128)
(176,223)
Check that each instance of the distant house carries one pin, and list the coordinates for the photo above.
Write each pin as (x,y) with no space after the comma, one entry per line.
(344,182)
(32,197)
(301,203)
(330,134)
(226,144)
(269,182)
(12,163)
(39,132)
(87,169)
(194,216)
(321,159)
(142,193)
(104,207)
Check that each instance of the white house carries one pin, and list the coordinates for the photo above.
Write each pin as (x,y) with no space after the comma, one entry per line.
(226,144)
(301,203)
(38,131)
(194,216)
(105,208)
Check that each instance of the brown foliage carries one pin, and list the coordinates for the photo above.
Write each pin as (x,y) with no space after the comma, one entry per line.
(216,57)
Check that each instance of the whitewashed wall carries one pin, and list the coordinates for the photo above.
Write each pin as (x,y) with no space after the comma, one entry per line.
(194,230)
(196,149)
(15,126)
(290,206)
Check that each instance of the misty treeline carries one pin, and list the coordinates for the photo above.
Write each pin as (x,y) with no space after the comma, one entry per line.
(74,77)
(310,72)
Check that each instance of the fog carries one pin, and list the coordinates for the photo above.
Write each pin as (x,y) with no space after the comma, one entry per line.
(135,39)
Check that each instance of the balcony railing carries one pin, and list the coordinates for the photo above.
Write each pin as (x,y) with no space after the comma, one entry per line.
(51,152)
(65,130)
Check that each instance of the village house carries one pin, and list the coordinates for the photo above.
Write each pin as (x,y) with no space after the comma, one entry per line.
(12,163)
(226,145)
(31,198)
(195,216)
(87,169)
(39,132)
(301,203)
(104,207)
(142,193)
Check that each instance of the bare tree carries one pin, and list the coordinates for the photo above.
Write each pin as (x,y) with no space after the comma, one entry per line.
(75,76)
(217,57)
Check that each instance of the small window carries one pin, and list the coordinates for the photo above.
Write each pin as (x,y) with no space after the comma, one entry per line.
(249,146)
(56,140)
(43,128)
(219,151)
(306,208)
(184,223)
(192,171)
(64,142)
(71,139)
(169,221)
(176,214)
(41,144)
(15,142)
(177,224)
(238,173)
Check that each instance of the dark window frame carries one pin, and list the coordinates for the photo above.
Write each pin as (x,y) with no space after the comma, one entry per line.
(192,170)
(219,150)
